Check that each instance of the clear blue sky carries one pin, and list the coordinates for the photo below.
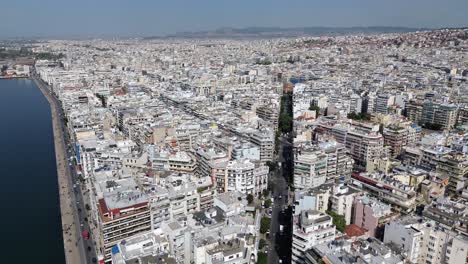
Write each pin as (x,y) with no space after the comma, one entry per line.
(159,17)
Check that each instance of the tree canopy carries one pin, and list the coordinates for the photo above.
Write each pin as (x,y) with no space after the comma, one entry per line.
(264,225)
(338,220)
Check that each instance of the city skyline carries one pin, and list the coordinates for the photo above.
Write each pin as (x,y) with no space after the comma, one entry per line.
(209,132)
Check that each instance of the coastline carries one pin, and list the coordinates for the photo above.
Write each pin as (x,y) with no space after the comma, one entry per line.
(73,248)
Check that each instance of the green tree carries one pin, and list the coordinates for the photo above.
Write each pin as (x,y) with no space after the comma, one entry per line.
(315,108)
(262,243)
(250,198)
(267,203)
(360,116)
(338,220)
(262,258)
(285,123)
(264,225)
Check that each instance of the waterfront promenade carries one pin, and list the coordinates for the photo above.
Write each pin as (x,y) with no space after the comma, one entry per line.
(74,251)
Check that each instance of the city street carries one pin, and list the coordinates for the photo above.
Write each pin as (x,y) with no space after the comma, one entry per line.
(282,212)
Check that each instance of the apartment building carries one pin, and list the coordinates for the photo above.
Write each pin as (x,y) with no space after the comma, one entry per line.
(440,114)
(455,166)
(372,215)
(355,104)
(432,113)
(182,161)
(123,214)
(240,176)
(265,139)
(382,103)
(363,141)
(396,138)
(310,228)
(160,206)
(310,169)
(183,197)
(325,162)
(425,241)
(312,199)
(342,199)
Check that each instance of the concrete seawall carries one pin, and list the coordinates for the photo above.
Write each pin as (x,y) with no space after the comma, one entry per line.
(74,251)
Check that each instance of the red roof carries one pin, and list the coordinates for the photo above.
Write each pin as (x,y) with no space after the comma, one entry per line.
(103,206)
(354,231)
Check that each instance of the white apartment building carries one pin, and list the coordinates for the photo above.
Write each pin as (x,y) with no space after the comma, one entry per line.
(312,199)
(310,169)
(342,201)
(310,228)
(265,139)
(183,198)
(326,163)
(423,241)
(355,104)
(240,176)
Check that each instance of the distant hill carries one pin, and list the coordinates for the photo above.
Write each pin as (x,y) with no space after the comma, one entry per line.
(272,32)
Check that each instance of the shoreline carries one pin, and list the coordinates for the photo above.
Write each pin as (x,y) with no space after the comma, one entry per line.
(70,229)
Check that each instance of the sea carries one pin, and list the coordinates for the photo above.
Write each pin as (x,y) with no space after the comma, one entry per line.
(30,223)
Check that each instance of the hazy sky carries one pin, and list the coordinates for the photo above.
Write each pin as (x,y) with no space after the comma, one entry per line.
(23,18)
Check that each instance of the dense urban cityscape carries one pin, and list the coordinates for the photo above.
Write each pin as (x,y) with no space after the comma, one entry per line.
(349,148)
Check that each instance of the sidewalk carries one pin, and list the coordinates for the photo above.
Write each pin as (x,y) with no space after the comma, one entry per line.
(69,227)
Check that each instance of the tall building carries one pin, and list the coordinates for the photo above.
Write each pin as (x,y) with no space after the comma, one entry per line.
(369,103)
(310,228)
(457,250)
(382,103)
(431,113)
(123,214)
(342,201)
(454,165)
(310,169)
(318,164)
(364,146)
(440,114)
(363,141)
(414,110)
(396,138)
(265,139)
(424,241)
(243,176)
(355,104)
(339,163)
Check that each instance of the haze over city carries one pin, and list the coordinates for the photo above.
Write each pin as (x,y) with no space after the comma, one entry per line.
(238,132)
(56,18)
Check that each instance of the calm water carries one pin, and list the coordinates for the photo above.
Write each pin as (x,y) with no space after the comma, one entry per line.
(29,203)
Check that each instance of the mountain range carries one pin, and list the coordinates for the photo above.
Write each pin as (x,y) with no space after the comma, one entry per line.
(272,32)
